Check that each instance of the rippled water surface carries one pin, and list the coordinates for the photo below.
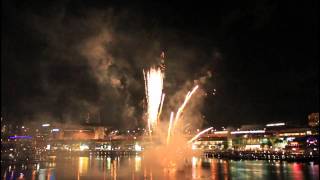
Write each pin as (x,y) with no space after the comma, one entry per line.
(134,167)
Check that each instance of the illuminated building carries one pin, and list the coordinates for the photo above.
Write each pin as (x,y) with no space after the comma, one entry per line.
(313,119)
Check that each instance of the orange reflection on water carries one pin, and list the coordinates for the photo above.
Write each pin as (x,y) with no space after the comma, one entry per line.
(113,169)
(137,163)
(213,169)
(34,173)
(49,174)
(83,166)
(196,167)
(108,163)
(225,169)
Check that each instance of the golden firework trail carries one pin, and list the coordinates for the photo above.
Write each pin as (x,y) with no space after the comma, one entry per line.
(172,121)
(199,134)
(181,108)
(153,87)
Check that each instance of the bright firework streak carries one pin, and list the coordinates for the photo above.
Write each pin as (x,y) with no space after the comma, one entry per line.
(153,87)
(181,108)
(199,134)
(170,126)
(160,111)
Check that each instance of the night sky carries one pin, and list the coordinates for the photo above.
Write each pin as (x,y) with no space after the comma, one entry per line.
(64,59)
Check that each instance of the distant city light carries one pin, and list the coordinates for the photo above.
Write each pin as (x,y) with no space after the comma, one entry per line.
(290,138)
(137,147)
(45,125)
(20,137)
(275,124)
(292,134)
(77,130)
(84,147)
(221,132)
(55,130)
(252,146)
(248,132)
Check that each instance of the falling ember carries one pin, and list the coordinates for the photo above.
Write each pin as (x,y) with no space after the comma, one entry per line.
(153,87)
(199,134)
(170,126)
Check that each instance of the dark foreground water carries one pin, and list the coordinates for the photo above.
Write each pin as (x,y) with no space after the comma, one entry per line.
(134,167)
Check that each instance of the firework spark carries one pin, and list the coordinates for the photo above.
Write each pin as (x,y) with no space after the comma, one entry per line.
(153,87)
(199,134)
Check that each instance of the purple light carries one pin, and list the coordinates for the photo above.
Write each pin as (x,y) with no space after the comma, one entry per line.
(20,137)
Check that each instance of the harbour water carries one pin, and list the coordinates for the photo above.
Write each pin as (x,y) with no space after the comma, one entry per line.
(134,167)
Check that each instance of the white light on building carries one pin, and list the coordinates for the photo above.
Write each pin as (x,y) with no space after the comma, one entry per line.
(275,124)
(84,147)
(221,132)
(137,147)
(45,125)
(248,132)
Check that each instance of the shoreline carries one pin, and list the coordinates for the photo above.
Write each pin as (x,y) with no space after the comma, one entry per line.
(235,156)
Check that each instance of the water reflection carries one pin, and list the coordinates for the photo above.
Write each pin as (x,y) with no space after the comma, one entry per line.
(137,163)
(135,167)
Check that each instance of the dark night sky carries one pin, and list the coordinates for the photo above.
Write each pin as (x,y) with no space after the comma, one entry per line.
(262,54)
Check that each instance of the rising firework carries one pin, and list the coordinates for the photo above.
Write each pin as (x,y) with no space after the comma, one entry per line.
(154,87)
